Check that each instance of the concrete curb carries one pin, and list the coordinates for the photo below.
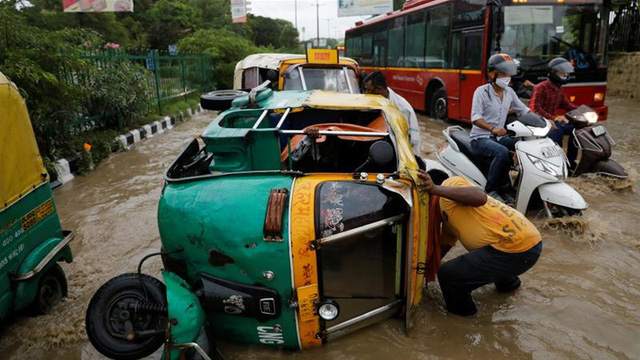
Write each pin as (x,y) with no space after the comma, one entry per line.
(67,167)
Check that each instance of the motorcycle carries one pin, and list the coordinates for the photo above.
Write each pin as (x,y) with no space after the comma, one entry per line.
(541,167)
(594,144)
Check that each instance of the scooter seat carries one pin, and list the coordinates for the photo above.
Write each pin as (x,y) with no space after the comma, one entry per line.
(464,143)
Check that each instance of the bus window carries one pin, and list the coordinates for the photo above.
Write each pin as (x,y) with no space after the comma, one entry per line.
(354,47)
(472,45)
(367,49)
(438,33)
(396,44)
(414,53)
(455,50)
(380,48)
(468,13)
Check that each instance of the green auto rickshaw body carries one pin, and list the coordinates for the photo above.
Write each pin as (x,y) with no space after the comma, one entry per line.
(31,237)
(259,283)
(219,240)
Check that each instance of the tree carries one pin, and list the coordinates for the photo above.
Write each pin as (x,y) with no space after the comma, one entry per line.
(226,47)
(272,32)
(289,38)
(169,21)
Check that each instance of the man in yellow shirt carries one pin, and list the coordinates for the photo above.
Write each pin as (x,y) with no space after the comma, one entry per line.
(502,243)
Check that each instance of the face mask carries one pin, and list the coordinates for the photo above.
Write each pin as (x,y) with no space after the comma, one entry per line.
(503,82)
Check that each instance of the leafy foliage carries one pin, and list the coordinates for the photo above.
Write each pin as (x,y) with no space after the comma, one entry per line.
(40,48)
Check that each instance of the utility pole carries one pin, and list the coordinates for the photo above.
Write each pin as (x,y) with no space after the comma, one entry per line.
(295,6)
(317,5)
(318,22)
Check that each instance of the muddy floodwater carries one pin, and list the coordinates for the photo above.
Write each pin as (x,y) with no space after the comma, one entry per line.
(581,301)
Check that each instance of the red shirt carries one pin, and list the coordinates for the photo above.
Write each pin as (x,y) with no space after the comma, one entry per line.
(547,97)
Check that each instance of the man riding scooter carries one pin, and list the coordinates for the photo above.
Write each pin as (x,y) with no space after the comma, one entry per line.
(491,104)
(548,96)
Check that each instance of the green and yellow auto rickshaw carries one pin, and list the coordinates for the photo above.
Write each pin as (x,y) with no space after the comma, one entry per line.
(273,236)
(32,241)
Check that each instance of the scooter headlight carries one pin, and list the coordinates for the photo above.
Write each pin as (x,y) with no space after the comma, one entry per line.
(591,117)
(328,310)
(546,167)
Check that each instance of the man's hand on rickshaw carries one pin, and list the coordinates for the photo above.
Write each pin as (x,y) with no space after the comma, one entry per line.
(312,132)
(529,84)
(427,183)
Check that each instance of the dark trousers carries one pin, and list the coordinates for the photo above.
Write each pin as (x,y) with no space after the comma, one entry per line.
(557,136)
(498,150)
(460,276)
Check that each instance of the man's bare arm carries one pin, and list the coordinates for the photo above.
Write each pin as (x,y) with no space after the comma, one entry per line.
(465,195)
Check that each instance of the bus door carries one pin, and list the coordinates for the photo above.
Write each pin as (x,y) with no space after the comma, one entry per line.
(470,63)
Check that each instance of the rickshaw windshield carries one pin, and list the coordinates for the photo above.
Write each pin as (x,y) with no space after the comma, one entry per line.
(340,79)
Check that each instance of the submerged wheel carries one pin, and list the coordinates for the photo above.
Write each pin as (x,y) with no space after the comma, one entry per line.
(439,104)
(558,211)
(121,323)
(52,287)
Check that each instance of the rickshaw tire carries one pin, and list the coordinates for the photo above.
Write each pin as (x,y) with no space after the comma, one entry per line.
(101,336)
(220,99)
(52,288)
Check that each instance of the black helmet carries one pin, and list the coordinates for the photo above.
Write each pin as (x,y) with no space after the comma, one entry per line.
(558,65)
(502,63)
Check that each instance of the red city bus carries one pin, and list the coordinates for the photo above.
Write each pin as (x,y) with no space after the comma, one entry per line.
(434,52)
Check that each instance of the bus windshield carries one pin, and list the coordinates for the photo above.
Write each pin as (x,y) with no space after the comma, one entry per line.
(537,33)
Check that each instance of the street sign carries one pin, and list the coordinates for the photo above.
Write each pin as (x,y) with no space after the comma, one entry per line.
(238,11)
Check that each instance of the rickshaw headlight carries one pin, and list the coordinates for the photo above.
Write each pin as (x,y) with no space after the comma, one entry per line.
(328,310)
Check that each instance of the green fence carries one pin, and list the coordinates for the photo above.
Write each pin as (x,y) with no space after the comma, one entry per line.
(170,77)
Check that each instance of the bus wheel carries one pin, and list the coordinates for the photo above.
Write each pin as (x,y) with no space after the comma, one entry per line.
(52,287)
(439,104)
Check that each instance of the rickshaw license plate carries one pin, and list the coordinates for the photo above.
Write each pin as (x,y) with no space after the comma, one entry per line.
(307,298)
(599,130)
(551,151)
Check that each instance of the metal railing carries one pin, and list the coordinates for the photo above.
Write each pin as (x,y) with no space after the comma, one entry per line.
(169,77)
(623,29)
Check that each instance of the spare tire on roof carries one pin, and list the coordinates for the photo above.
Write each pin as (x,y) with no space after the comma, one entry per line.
(220,99)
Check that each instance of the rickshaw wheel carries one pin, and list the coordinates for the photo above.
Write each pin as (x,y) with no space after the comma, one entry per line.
(124,323)
(52,287)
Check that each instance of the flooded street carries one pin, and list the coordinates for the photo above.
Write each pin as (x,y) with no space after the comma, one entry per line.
(580,301)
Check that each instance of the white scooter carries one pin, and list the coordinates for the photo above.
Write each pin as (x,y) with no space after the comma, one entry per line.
(542,165)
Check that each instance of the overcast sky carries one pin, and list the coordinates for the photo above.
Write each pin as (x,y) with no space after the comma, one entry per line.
(285,9)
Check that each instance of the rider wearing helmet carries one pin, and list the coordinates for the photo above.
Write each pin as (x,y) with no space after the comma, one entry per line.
(491,104)
(548,96)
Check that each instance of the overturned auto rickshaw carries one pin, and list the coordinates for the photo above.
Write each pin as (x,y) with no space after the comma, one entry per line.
(273,236)
(32,241)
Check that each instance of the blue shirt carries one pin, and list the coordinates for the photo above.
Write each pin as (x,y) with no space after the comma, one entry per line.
(488,106)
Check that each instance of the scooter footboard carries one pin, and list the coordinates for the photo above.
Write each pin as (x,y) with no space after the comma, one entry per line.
(562,194)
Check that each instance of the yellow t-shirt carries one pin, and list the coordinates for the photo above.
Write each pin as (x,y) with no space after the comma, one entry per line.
(493,223)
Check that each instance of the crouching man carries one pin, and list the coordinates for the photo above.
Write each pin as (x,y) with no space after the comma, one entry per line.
(502,244)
